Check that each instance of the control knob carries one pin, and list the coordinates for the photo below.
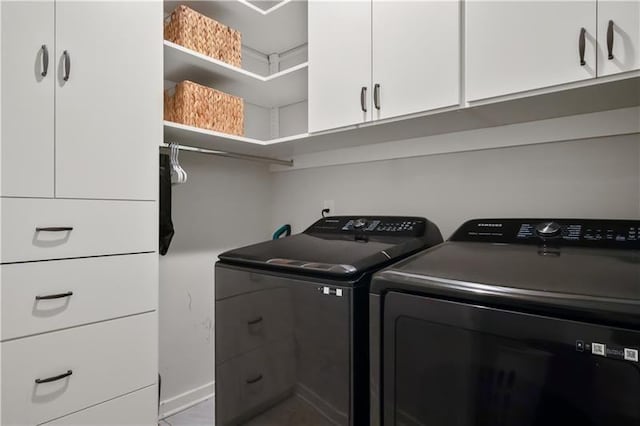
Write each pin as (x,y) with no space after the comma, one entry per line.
(549,229)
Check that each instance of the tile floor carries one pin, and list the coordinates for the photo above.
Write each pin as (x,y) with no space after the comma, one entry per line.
(198,415)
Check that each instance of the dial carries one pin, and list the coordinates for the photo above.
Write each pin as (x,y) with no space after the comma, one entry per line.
(549,229)
(359,223)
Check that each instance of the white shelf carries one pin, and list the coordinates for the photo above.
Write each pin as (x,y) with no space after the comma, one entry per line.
(201,138)
(280,89)
(274,30)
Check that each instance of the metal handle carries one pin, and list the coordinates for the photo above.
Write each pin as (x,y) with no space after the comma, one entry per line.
(54,229)
(256,380)
(581,45)
(67,65)
(363,98)
(376,96)
(255,321)
(610,39)
(45,60)
(54,378)
(55,296)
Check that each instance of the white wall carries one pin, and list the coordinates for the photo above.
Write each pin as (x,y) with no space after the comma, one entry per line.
(225,203)
(586,178)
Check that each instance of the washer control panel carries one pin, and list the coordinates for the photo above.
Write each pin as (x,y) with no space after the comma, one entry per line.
(375,225)
(576,232)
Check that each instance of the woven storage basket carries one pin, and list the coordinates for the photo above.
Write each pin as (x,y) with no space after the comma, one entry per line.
(195,31)
(199,106)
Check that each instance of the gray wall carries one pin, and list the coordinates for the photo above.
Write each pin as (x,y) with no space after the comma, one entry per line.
(224,204)
(587,178)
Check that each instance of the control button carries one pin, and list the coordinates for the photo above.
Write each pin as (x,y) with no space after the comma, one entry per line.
(598,349)
(549,229)
(359,223)
(579,346)
(631,354)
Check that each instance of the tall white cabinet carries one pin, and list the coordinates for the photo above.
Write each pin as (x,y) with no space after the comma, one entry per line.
(372,60)
(81,121)
(618,36)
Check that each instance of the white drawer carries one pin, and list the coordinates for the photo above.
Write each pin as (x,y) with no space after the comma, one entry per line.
(135,409)
(99,228)
(107,360)
(98,288)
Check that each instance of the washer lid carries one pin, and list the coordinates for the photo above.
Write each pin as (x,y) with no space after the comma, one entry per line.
(592,279)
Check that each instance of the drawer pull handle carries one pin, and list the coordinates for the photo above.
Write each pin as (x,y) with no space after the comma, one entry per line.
(54,378)
(582,45)
(55,296)
(54,229)
(255,321)
(255,380)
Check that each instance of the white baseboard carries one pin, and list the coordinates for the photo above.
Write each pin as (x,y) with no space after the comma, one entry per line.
(175,404)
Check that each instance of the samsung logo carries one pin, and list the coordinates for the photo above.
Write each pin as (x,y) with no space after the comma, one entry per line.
(491,225)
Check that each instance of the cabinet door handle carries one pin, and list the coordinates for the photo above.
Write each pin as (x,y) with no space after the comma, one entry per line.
(363,98)
(54,229)
(610,39)
(376,96)
(55,378)
(582,45)
(45,60)
(55,296)
(255,321)
(67,65)
(254,380)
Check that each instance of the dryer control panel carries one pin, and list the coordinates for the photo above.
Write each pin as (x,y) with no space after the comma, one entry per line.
(401,226)
(569,232)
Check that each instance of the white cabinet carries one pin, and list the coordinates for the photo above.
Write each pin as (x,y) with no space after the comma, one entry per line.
(339,63)
(109,111)
(27,32)
(416,56)
(94,133)
(524,45)
(371,60)
(618,36)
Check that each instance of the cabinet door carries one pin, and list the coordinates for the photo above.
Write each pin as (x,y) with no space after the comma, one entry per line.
(515,46)
(339,63)
(416,56)
(109,111)
(27,98)
(619,23)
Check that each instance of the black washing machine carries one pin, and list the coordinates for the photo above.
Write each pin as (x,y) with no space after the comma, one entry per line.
(292,321)
(516,322)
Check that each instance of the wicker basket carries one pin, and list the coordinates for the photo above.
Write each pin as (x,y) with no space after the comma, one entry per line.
(199,106)
(195,31)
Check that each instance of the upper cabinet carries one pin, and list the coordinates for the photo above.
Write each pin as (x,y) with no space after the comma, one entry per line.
(524,45)
(371,60)
(28,74)
(339,63)
(416,56)
(618,36)
(81,116)
(109,109)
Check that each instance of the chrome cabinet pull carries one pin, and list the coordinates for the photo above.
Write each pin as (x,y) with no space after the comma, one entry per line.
(67,65)
(363,98)
(582,45)
(54,378)
(45,60)
(55,296)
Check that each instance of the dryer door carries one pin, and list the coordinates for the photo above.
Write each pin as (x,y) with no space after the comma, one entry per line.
(452,364)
